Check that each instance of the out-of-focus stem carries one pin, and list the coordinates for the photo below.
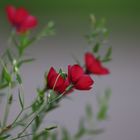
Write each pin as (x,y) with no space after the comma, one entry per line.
(7,107)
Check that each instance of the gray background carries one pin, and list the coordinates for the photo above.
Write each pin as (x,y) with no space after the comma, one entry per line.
(124,112)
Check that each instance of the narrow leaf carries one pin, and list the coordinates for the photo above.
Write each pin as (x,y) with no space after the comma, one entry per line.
(102,114)
(96,48)
(20,99)
(10,56)
(50,128)
(89,111)
(25,61)
(18,77)
(7,76)
(65,134)
(109,52)
(3,85)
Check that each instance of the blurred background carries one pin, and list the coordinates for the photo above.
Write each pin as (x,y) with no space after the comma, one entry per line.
(71,19)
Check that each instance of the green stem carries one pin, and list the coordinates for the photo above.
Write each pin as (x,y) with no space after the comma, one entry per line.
(20,114)
(22,136)
(26,127)
(62,94)
(7,108)
(17,117)
(37,113)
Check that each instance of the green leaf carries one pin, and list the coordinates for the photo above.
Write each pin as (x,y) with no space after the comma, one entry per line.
(1,138)
(103,102)
(41,93)
(43,135)
(37,121)
(102,114)
(92,19)
(50,128)
(2,75)
(10,56)
(108,54)
(18,77)
(63,74)
(4,137)
(47,31)
(50,24)
(20,63)
(65,134)
(10,99)
(54,136)
(21,101)
(89,111)
(81,130)
(3,85)
(106,60)
(96,48)
(108,94)
(105,32)
(7,76)
(52,96)
(24,39)
(25,42)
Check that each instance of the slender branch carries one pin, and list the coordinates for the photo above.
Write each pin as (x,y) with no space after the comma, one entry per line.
(37,113)
(22,136)
(62,94)
(7,107)
(17,117)
(26,127)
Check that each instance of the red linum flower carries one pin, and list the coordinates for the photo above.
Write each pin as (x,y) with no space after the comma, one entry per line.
(78,78)
(56,82)
(20,19)
(94,65)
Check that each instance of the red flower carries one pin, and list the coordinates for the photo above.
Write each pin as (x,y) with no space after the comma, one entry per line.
(20,19)
(56,82)
(78,78)
(94,65)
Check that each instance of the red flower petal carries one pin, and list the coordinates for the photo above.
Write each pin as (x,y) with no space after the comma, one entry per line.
(29,22)
(62,87)
(74,73)
(84,83)
(89,59)
(21,15)
(94,66)
(11,11)
(20,19)
(53,79)
(56,82)
(51,73)
(99,69)
(66,84)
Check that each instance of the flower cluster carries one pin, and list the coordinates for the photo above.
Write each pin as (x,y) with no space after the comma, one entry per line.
(76,78)
(58,84)
(20,18)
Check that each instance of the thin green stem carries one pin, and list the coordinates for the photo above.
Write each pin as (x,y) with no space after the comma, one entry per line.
(22,120)
(11,37)
(62,94)
(26,127)
(57,98)
(7,107)
(37,113)
(17,117)
(22,136)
